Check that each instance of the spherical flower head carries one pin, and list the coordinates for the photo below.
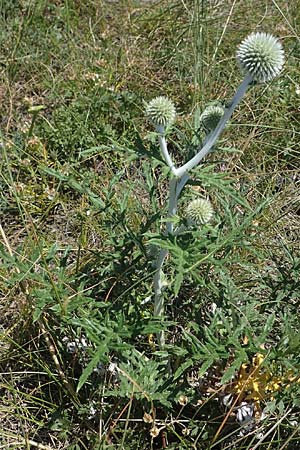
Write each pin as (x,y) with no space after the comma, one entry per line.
(211,117)
(161,111)
(199,211)
(261,55)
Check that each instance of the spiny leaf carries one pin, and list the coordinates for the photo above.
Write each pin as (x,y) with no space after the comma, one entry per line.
(100,355)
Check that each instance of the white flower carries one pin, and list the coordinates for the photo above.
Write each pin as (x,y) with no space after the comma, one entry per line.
(161,111)
(199,211)
(261,55)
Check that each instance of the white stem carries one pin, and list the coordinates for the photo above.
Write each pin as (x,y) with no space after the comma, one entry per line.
(163,253)
(218,130)
(185,177)
(158,303)
(164,149)
(180,185)
(158,298)
(172,204)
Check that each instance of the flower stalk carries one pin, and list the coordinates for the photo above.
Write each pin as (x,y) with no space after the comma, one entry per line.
(164,149)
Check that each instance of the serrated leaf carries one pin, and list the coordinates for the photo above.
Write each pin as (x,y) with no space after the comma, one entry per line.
(182,368)
(178,281)
(230,372)
(100,355)
(269,323)
(162,243)
(53,173)
(205,366)
(42,297)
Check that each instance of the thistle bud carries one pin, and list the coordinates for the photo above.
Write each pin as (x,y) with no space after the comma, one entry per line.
(199,211)
(161,111)
(261,55)
(211,117)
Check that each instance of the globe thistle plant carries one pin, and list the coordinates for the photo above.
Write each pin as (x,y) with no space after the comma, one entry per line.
(199,212)
(262,56)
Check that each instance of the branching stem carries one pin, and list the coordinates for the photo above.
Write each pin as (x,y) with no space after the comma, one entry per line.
(242,89)
(176,186)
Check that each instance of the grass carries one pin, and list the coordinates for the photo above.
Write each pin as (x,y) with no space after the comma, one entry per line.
(82,196)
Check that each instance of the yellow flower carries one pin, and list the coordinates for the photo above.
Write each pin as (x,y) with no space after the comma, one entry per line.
(255,383)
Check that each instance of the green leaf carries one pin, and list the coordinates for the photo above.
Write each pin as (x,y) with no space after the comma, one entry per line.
(183,367)
(205,366)
(161,243)
(178,281)
(230,372)
(42,297)
(100,355)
